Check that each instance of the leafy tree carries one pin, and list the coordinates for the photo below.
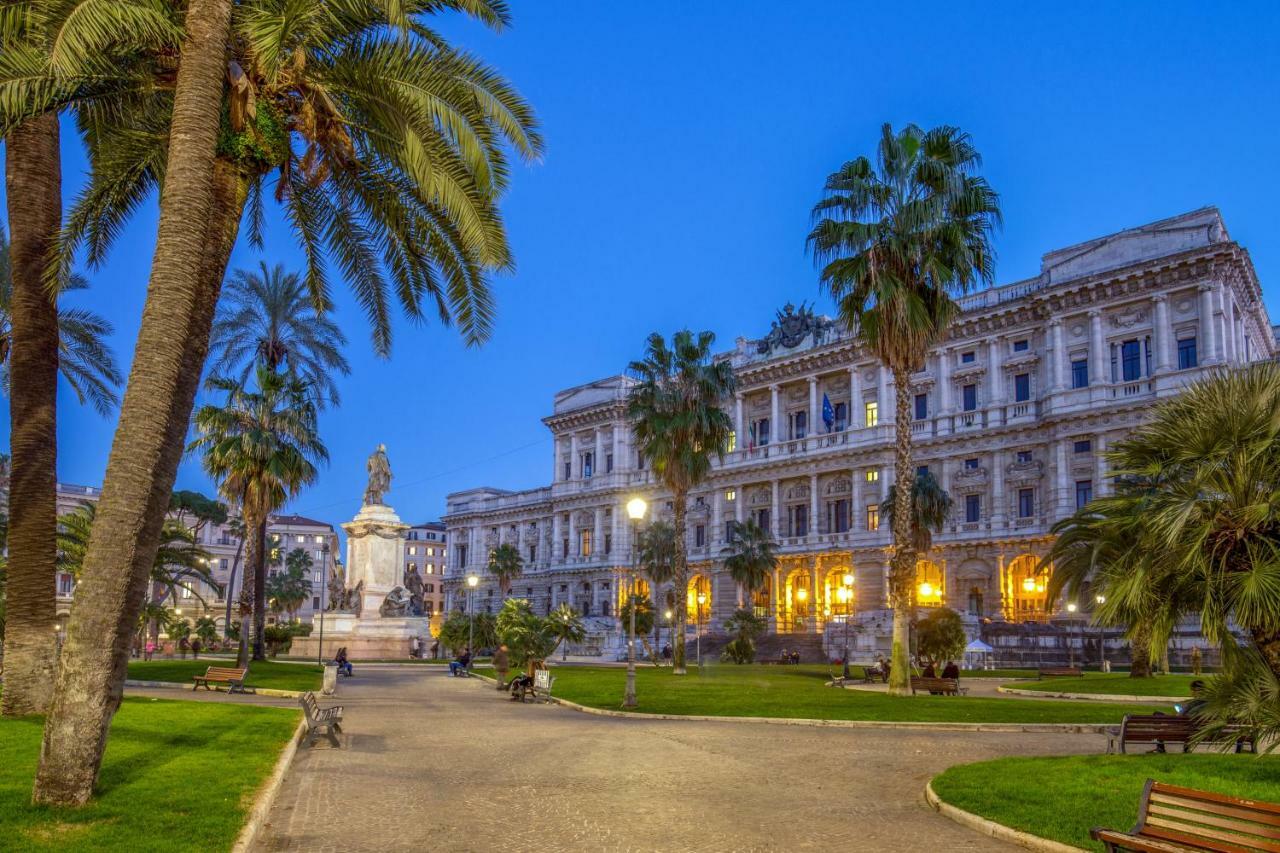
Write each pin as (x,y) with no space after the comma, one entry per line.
(289,589)
(750,557)
(456,632)
(206,630)
(745,626)
(529,638)
(930,508)
(269,317)
(505,564)
(676,416)
(566,626)
(646,622)
(894,241)
(940,636)
(179,629)
(261,447)
(656,543)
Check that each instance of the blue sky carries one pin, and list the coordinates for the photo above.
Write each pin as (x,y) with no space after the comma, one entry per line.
(686,143)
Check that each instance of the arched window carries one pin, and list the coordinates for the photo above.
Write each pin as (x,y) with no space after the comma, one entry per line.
(929,584)
(1027,589)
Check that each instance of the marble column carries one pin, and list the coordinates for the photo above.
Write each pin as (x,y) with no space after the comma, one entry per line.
(1228,329)
(815,412)
(1097,351)
(740,503)
(775,521)
(573,534)
(995,381)
(857,512)
(574,465)
(813,503)
(815,604)
(1161,332)
(597,532)
(997,492)
(1208,325)
(597,462)
(717,515)
(740,428)
(776,433)
(1057,357)
(855,398)
(944,381)
(1102,485)
(1062,475)
(884,404)
(557,472)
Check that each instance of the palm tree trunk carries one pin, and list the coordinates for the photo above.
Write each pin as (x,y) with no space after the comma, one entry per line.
(902,563)
(152,425)
(680,578)
(1140,651)
(249,637)
(1268,645)
(34,191)
(231,579)
(260,592)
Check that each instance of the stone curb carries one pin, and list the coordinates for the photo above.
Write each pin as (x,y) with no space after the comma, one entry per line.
(177,685)
(992,829)
(267,794)
(1061,728)
(1092,697)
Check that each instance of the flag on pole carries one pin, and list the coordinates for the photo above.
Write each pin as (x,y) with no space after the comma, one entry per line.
(828,413)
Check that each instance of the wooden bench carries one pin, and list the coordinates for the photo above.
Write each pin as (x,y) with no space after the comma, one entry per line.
(1168,728)
(230,676)
(1172,818)
(327,721)
(1059,672)
(945,686)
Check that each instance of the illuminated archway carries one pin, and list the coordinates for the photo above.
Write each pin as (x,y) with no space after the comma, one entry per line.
(699,585)
(761,599)
(1027,590)
(642,590)
(929,584)
(798,604)
(839,592)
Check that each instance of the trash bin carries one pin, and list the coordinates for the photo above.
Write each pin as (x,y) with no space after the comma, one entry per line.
(330,683)
(1106,666)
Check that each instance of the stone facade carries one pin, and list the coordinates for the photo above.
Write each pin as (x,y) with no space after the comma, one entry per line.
(1012,414)
(425,551)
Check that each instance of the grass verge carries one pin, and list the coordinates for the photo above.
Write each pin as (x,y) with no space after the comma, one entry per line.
(176,776)
(756,690)
(269,674)
(1063,798)
(1116,684)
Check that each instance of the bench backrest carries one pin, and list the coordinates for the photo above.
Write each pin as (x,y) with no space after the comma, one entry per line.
(1207,820)
(921,683)
(310,706)
(1141,727)
(225,672)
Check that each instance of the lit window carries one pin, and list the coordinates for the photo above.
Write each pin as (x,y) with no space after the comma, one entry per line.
(873,517)
(413,550)
(873,413)
(584,543)
(431,570)
(730,446)
(873,476)
(731,495)
(186,592)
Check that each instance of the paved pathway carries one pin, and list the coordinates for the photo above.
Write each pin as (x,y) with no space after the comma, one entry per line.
(433,762)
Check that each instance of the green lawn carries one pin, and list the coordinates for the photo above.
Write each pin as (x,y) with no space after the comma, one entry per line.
(1062,798)
(269,674)
(176,776)
(798,691)
(1117,683)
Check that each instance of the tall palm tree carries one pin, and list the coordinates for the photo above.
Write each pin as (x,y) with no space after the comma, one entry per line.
(505,564)
(261,447)
(390,147)
(895,240)
(676,416)
(930,507)
(751,556)
(268,317)
(566,626)
(657,544)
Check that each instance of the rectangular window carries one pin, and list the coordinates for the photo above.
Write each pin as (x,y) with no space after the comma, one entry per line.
(1084,492)
(1022,388)
(412,549)
(799,424)
(873,517)
(922,406)
(728,530)
(1082,445)
(462,556)
(969,397)
(971,463)
(968,357)
(762,518)
(222,563)
(1131,361)
(922,470)
(568,470)
(1022,345)
(564,547)
(699,536)
(608,543)
(588,464)
(840,516)
(842,416)
(1187,353)
(972,508)
(873,476)
(873,413)
(1024,456)
(1026,503)
(762,431)
(1080,373)
(315,602)
(533,556)
(730,495)
(730,446)
(608,462)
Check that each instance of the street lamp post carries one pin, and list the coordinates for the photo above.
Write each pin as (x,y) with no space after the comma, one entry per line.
(1102,640)
(846,598)
(1071,650)
(702,599)
(636,508)
(670,633)
(472,581)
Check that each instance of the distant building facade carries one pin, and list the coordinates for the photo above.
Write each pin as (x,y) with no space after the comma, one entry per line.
(1012,414)
(425,551)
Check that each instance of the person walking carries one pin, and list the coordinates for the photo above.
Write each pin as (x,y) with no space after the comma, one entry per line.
(150,649)
(501,662)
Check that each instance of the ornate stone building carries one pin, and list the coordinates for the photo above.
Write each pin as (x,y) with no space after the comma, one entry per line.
(1011,414)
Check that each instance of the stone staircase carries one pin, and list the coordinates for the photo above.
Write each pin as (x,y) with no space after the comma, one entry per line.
(809,646)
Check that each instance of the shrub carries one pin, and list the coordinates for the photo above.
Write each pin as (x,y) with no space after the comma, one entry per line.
(940,636)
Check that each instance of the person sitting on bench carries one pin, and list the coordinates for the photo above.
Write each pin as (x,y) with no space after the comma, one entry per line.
(929,672)
(459,666)
(951,671)
(344,664)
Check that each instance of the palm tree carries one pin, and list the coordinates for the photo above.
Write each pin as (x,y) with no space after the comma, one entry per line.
(895,240)
(657,544)
(930,507)
(505,564)
(676,416)
(751,556)
(390,148)
(566,626)
(268,317)
(235,527)
(261,447)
